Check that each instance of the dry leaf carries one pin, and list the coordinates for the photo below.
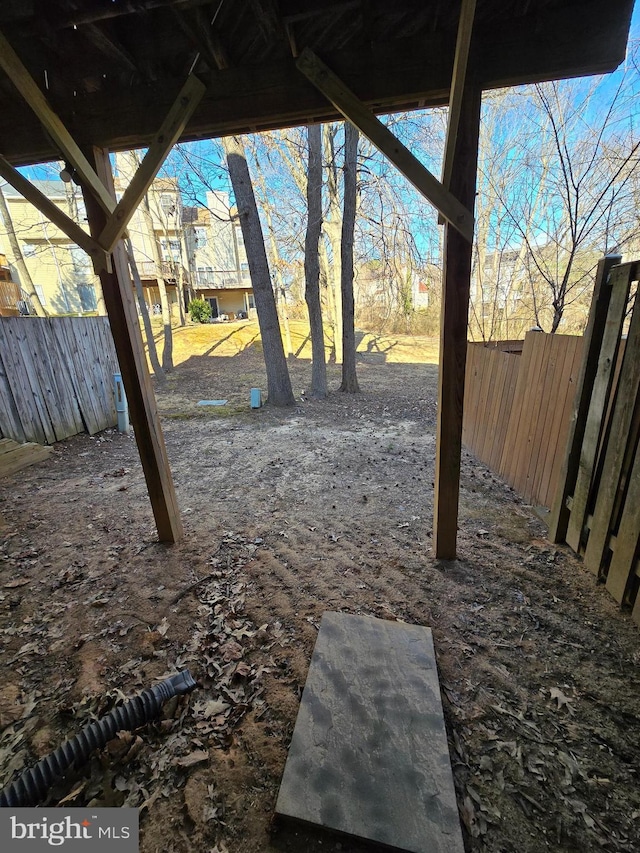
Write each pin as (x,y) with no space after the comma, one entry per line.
(17,582)
(562,700)
(196,757)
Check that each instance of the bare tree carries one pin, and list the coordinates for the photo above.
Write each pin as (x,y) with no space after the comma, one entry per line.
(167,349)
(279,389)
(349,375)
(555,197)
(312,261)
(144,313)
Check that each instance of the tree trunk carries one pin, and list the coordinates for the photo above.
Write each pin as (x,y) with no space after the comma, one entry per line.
(280,290)
(279,391)
(349,377)
(144,311)
(333,228)
(167,350)
(72,205)
(26,282)
(312,262)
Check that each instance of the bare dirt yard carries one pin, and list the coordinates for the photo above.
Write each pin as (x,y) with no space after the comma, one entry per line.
(288,514)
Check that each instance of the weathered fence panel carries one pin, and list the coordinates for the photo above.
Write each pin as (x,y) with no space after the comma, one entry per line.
(597,509)
(572,435)
(517,409)
(56,377)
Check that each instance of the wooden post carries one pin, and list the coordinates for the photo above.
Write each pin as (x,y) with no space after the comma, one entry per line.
(453,331)
(118,297)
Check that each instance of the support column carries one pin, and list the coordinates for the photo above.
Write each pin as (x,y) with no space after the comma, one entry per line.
(123,318)
(453,331)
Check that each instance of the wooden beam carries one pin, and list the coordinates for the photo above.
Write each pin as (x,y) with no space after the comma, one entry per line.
(110,47)
(169,133)
(465,27)
(361,116)
(453,332)
(388,75)
(53,213)
(25,84)
(123,318)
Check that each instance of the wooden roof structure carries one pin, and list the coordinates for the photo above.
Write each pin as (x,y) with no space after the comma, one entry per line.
(112,68)
(80,78)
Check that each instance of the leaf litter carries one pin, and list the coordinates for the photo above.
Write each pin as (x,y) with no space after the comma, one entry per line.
(536,664)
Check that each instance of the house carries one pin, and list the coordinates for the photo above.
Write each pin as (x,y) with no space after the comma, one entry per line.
(193,251)
(157,235)
(218,259)
(61,272)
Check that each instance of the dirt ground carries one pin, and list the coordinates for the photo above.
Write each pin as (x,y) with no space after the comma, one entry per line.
(290,513)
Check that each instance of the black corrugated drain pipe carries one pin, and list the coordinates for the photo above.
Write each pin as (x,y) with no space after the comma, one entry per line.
(30,788)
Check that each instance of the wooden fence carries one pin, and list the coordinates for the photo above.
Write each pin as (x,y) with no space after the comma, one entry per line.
(596,510)
(517,408)
(561,423)
(56,377)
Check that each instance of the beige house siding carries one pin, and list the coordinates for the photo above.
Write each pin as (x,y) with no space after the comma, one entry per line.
(61,272)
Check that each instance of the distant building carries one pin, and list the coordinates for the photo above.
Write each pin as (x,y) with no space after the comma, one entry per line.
(194,251)
(61,272)
(218,260)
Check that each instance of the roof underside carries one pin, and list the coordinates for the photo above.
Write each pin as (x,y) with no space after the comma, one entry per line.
(111,68)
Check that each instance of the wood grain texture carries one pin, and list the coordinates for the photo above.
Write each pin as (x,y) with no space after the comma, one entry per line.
(559,515)
(14,457)
(598,403)
(453,334)
(369,754)
(127,337)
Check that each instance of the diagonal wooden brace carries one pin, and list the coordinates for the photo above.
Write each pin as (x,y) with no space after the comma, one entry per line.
(177,117)
(356,112)
(32,94)
(49,209)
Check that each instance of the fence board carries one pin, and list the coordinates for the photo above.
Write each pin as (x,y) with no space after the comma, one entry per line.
(19,388)
(10,414)
(55,377)
(489,388)
(559,429)
(620,575)
(517,409)
(620,285)
(620,436)
(559,515)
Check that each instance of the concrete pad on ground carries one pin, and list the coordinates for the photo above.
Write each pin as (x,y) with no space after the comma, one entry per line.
(369,754)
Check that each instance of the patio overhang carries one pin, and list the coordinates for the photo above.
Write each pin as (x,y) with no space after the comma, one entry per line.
(81,79)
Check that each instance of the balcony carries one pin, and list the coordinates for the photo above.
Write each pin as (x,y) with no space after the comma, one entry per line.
(167,271)
(221,279)
(11,299)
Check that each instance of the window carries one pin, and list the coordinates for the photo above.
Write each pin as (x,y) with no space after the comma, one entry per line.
(87,295)
(201,237)
(28,250)
(170,249)
(250,300)
(40,293)
(168,204)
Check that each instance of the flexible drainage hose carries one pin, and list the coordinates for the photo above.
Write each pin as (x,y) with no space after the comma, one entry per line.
(31,787)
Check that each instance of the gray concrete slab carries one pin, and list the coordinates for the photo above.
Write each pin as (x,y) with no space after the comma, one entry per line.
(369,754)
